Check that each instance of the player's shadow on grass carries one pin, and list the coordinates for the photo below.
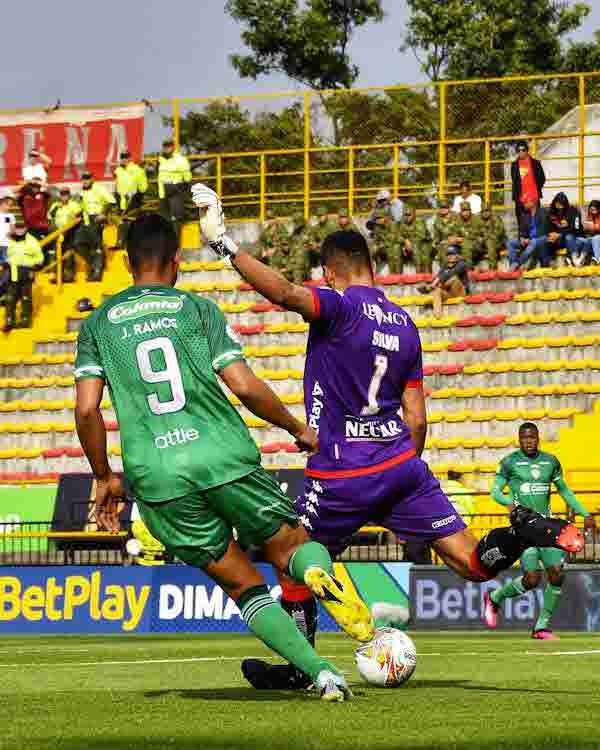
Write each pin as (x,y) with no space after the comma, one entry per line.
(468,685)
(234,694)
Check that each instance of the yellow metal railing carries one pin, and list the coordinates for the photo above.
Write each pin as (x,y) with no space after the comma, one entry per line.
(468,129)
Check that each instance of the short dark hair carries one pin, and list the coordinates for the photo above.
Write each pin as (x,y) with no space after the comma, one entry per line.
(522,144)
(124,155)
(351,245)
(454,476)
(168,142)
(151,239)
(528,426)
(464,183)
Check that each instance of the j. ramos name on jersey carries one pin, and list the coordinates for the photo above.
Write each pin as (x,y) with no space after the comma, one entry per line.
(150,326)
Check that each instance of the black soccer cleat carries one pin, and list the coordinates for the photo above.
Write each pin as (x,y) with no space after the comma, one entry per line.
(264,676)
(538,531)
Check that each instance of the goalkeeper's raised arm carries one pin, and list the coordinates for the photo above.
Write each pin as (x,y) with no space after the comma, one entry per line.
(264,279)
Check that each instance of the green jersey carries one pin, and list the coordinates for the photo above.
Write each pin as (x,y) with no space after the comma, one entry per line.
(530,479)
(158,349)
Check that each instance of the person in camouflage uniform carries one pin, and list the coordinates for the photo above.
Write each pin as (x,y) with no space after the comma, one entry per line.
(387,243)
(414,239)
(441,230)
(493,234)
(307,253)
(467,235)
(272,234)
(345,223)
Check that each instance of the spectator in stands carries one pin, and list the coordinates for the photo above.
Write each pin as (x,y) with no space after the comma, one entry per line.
(132,183)
(272,233)
(532,244)
(345,223)
(384,202)
(459,494)
(528,179)
(34,203)
(452,280)
(564,227)
(24,256)
(62,213)
(95,204)
(467,235)
(174,176)
(414,239)
(442,230)
(388,254)
(467,196)
(38,166)
(493,234)
(299,261)
(590,243)
(7,222)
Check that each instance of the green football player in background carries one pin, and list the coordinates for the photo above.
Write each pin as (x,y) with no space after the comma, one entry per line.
(194,469)
(529,474)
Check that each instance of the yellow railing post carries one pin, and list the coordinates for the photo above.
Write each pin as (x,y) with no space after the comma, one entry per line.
(219,175)
(263,187)
(396,170)
(176,122)
(581,149)
(59,262)
(307,140)
(350,180)
(487,178)
(443,88)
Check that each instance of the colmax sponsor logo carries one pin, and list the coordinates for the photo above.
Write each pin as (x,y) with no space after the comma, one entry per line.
(80,595)
(374,312)
(359,430)
(534,488)
(147,305)
(443,522)
(179,436)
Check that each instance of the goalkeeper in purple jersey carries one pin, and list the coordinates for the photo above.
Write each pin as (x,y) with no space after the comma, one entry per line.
(364,368)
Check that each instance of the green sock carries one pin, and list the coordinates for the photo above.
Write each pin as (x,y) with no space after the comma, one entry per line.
(510,589)
(551,599)
(306,556)
(269,622)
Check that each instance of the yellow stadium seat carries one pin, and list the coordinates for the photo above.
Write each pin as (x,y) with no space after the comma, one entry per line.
(559,341)
(456,416)
(476,369)
(482,416)
(517,320)
(585,340)
(510,343)
(447,322)
(447,444)
(532,415)
(569,317)
(435,417)
(509,415)
(525,297)
(439,346)
(536,343)
(7,454)
(473,443)
(499,367)
(498,442)
(535,273)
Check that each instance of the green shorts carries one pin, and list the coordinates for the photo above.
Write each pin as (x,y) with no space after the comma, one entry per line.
(546,557)
(198,528)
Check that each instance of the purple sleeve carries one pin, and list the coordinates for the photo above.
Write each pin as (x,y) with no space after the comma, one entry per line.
(415,373)
(329,305)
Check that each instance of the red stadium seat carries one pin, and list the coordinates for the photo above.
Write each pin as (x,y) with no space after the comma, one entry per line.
(473,320)
(458,346)
(474,299)
(508,275)
(491,321)
(483,345)
(499,298)
(450,369)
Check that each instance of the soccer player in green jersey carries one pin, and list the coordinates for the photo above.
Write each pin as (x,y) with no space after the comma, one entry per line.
(529,474)
(194,469)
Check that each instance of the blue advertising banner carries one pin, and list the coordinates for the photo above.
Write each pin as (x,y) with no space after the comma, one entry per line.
(158,599)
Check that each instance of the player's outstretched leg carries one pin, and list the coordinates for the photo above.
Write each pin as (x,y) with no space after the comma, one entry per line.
(271,624)
(553,563)
(492,602)
(540,531)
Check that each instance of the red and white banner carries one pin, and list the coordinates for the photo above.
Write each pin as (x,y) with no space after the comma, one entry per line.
(77,140)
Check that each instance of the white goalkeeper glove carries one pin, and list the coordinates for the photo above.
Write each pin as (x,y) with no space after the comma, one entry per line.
(212,220)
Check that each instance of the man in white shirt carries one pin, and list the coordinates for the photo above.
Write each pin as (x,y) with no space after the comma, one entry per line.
(39,164)
(466,195)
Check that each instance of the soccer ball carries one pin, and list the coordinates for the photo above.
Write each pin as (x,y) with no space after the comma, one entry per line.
(388,660)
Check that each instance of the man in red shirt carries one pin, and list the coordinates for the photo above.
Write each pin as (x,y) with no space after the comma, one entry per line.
(528,179)
(34,203)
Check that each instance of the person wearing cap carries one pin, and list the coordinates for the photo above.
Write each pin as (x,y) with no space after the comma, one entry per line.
(38,165)
(493,234)
(95,203)
(63,212)
(528,179)
(392,206)
(174,176)
(467,196)
(442,229)
(387,250)
(317,231)
(132,183)
(23,255)
(34,202)
(467,235)
(344,222)
(299,254)
(452,280)
(272,235)
(414,239)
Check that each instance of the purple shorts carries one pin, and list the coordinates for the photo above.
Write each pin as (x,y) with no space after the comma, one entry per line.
(406,499)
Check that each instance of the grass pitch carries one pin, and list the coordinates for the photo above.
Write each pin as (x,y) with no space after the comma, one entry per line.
(472,691)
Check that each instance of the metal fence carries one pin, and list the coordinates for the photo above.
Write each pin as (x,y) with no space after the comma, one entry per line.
(35,543)
(293,151)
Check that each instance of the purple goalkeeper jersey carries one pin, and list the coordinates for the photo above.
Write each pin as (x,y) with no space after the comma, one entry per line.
(363,351)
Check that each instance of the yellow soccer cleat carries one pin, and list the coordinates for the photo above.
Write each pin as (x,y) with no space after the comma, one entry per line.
(350,613)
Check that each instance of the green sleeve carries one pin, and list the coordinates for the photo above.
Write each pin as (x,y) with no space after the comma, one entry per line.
(88,363)
(223,342)
(500,482)
(566,493)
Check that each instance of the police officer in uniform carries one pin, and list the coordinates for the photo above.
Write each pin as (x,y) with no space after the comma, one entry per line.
(174,176)
(23,256)
(62,213)
(95,203)
(132,183)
